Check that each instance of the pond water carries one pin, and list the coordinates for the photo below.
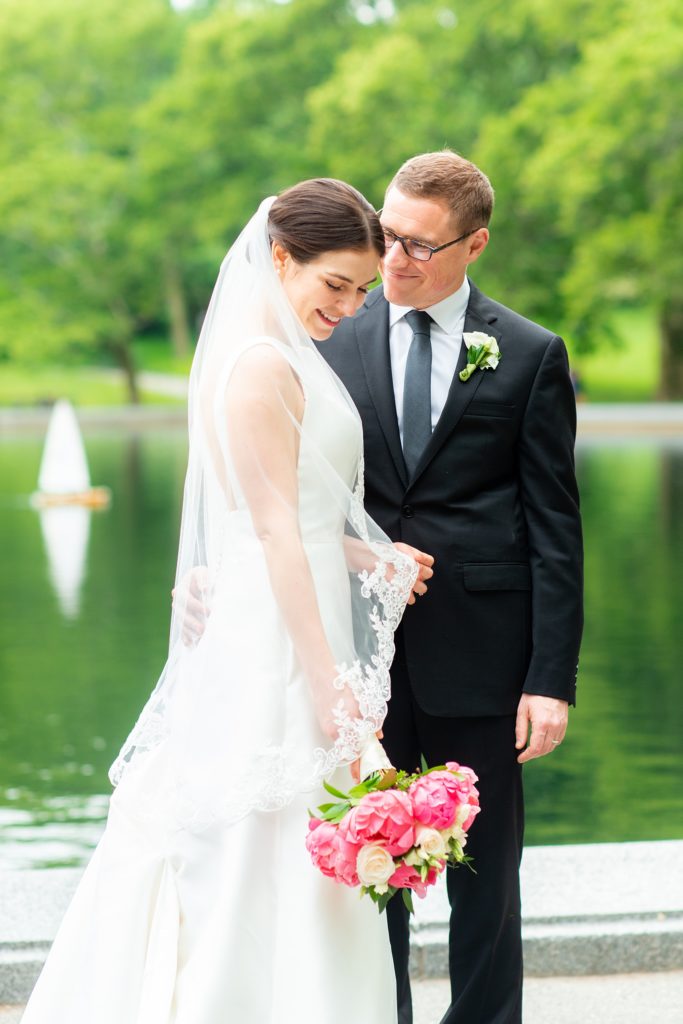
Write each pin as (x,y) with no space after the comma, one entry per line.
(84,610)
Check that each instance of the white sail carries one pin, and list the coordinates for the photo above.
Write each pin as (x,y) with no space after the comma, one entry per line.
(66,530)
(64,467)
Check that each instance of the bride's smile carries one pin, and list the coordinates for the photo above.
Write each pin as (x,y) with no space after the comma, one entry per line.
(328,288)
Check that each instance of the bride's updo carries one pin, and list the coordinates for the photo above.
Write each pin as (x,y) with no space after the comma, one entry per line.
(324,215)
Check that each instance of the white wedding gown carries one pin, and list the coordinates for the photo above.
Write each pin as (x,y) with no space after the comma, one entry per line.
(229,922)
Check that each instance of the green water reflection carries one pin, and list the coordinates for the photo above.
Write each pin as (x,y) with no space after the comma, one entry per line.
(75,668)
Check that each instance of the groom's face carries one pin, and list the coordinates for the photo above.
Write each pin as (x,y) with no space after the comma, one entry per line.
(411,282)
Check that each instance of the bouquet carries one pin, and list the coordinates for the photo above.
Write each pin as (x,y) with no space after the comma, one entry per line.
(395,831)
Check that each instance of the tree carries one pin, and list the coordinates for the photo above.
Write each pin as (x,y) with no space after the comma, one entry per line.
(428,76)
(591,166)
(229,128)
(71,75)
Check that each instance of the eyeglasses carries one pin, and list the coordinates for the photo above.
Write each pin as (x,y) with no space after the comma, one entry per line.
(419,250)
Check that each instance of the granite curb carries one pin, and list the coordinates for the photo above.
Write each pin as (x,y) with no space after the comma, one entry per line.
(598,909)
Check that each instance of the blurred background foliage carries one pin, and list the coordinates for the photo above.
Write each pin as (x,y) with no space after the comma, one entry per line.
(137,137)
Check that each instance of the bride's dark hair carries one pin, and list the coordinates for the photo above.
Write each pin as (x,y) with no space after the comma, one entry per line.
(324,215)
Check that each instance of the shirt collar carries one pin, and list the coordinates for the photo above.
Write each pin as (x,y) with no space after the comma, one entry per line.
(447,314)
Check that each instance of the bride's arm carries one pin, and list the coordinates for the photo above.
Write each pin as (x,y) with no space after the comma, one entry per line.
(263,399)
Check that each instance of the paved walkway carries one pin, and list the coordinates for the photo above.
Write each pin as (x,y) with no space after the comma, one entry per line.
(614,999)
(611,999)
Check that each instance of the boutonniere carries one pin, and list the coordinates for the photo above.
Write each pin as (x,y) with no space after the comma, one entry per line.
(482,353)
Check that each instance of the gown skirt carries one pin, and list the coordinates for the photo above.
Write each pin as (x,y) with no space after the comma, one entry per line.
(229,923)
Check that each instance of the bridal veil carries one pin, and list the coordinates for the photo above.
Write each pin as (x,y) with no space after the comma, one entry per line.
(219,760)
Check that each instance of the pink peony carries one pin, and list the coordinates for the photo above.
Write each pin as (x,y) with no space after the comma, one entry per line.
(408,877)
(385,816)
(322,846)
(346,858)
(469,794)
(437,796)
(404,876)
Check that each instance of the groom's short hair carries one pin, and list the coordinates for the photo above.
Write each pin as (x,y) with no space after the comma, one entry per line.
(448,177)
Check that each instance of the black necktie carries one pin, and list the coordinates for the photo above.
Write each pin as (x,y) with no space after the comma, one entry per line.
(417,390)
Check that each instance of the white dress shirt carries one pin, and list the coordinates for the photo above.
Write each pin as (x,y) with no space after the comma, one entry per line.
(448,318)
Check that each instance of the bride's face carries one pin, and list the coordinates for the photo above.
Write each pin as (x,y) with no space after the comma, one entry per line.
(328,288)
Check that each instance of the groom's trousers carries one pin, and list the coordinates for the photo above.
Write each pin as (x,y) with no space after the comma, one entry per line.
(485,948)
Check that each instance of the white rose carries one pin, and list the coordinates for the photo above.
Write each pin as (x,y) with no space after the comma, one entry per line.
(430,841)
(375,867)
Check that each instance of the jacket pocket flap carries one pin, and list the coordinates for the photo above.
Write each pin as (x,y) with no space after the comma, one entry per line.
(494,410)
(497,576)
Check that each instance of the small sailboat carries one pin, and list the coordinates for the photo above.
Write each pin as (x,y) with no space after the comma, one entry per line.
(64,478)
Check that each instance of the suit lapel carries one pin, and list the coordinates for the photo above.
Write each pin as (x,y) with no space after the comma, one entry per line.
(372,335)
(479,317)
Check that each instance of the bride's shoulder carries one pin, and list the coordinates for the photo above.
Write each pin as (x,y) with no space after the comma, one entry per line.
(264,361)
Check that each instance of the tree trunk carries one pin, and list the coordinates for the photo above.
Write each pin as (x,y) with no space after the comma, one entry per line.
(176,305)
(671,380)
(124,355)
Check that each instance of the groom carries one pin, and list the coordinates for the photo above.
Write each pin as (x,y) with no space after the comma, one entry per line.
(479,473)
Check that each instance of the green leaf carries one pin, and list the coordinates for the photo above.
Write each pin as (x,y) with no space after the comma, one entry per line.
(363,788)
(384,899)
(337,812)
(423,763)
(408,900)
(335,792)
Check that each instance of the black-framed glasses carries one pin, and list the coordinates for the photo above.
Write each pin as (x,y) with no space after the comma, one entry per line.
(419,250)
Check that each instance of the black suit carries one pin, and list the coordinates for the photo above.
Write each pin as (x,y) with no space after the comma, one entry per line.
(494,499)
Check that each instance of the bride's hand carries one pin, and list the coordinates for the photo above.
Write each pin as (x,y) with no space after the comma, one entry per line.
(373,758)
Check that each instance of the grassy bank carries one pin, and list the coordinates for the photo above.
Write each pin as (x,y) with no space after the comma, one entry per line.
(628,372)
(23,386)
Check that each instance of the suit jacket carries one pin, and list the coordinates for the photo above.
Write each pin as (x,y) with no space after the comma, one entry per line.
(494,499)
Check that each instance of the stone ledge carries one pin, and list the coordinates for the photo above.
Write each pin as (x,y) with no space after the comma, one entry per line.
(573,947)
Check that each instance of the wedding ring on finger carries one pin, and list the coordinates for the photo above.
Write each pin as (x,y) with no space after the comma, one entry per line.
(555,743)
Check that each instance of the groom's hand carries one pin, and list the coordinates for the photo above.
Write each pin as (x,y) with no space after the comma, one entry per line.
(546,717)
(424,565)
(192,603)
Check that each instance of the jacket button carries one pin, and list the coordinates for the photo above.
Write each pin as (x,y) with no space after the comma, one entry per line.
(407,511)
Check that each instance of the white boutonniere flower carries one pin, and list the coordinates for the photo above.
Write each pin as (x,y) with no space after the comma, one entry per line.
(482,353)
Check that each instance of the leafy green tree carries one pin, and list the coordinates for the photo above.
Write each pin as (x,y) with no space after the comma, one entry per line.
(429,75)
(229,128)
(136,139)
(591,172)
(71,75)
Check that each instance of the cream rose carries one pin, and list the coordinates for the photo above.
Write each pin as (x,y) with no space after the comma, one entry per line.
(375,867)
(430,841)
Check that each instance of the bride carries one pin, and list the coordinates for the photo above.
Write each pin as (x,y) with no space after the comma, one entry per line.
(200,904)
